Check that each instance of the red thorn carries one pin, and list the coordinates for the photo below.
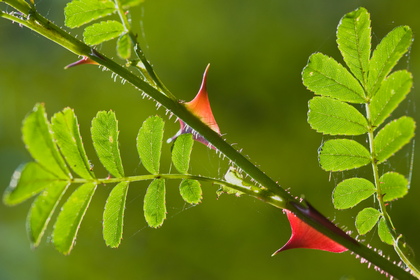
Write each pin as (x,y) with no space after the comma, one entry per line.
(200,107)
(305,236)
(84,60)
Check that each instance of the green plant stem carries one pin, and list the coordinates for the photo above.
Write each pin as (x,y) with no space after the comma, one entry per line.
(269,188)
(408,260)
(149,72)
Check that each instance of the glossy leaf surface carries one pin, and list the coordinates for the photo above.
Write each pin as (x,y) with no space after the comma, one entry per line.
(325,76)
(352,191)
(149,143)
(71,216)
(333,117)
(154,203)
(354,42)
(113,218)
(343,154)
(104,132)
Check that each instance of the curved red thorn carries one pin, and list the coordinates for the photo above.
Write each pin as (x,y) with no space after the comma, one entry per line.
(84,60)
(200,107)
(305,236)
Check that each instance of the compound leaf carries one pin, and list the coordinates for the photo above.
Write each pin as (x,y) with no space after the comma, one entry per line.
(354,42)
(366,220)
(325,76)
(191,191)
(330,116)
(384,233)
(181,152)
(154,203)
(71,215)
(67,135)
(392,91)
(393,137)
(79,12)
(149,143)
(124,46)
(113,217)
(386,55)
(27,181)
(105,141)
(103,31)
(352,191)
(39,142)
(393,186)
(42,210)
(343,154)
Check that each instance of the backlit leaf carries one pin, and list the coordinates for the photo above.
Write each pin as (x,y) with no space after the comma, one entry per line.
(71,215)
(42,210)
(386,55)
(27,181)
(354,42)
(393,137)
(105,140)
(352,191)
(113,218)
(383,232)
(330,116)
(343,154)
(79,12)
(366,220)
(154,203)
(103,31)
(191,191)
(67,135)
(325,76)
(149,143)
(181,152)
(393,186)
(392,91)
(39,142)
(124,46)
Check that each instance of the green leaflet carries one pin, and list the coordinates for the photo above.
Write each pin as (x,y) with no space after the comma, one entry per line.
(383,232)
(325,76)
(190,191)
(79,12)
(350,192)
(354,42)
(386,55)
(149,143)
(393,186)
(343,154)
(181,152)
(67,135)
(330,116)
(366,220)
(124,46)
(39,142)
(71,216)
(392,91)
(113,218)
(27,181)
(105,140)
(393,137)
(104,31)
(154,203)
(42,210)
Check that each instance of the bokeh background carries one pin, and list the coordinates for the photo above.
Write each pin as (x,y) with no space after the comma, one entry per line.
(257,50)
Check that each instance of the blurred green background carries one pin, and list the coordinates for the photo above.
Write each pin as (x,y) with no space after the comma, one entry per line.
(257,50)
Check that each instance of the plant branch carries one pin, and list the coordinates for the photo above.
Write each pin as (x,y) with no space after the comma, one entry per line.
(270,191)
